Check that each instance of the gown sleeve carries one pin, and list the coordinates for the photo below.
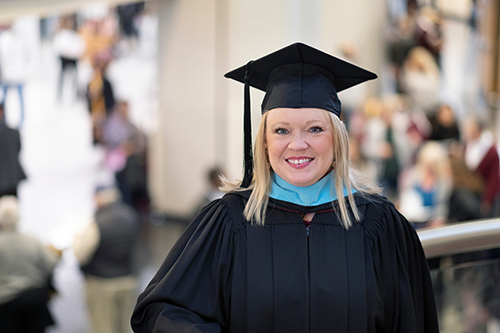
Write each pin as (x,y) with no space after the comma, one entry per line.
(190,291)
(403,274)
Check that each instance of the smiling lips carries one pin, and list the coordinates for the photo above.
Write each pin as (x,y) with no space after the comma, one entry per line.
(299,162)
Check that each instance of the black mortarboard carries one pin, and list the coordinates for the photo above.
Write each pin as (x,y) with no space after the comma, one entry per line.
(297,76)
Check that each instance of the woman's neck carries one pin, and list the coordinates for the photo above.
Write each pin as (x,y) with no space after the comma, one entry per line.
(323,191)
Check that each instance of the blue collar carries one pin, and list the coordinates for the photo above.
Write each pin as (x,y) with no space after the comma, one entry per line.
(321,192)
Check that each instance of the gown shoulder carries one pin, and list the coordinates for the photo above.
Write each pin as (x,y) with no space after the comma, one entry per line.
(190,292)
(397,255)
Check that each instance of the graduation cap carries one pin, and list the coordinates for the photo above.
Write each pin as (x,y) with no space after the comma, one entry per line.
(297,76)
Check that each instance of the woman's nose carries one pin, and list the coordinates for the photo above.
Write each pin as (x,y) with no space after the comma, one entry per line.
(298,142)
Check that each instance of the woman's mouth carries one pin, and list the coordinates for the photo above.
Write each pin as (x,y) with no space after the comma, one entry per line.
(302,160)
(299,162)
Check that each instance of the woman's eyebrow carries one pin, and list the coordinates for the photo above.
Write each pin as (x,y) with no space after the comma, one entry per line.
(307,122)
(281,123)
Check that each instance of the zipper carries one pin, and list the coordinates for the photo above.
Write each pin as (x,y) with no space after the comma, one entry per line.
(309,276)
(308,268)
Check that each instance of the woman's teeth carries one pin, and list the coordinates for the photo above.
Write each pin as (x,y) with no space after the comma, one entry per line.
(304,160)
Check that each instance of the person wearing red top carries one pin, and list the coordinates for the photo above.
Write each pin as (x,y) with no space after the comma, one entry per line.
(481,156)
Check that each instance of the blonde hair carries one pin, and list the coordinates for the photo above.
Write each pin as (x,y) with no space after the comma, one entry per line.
(419,58)
(433,155)
(345,176)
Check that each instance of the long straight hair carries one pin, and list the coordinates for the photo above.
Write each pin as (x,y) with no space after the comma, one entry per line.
(345,176)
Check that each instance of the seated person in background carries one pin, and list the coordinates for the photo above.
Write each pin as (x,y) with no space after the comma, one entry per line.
(25,275)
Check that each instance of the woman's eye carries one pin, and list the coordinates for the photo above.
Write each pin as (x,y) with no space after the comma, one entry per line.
(315,129)
(280,131)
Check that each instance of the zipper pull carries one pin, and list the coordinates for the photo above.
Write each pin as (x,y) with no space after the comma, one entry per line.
(307,231)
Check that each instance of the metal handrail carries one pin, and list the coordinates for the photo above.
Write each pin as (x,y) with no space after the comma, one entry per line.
(461,238)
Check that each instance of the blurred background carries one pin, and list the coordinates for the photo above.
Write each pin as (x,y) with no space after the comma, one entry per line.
(122,102)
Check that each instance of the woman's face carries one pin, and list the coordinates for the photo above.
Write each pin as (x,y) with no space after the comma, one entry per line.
(299,144)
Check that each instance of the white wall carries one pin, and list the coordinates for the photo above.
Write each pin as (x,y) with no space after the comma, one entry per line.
(184,144)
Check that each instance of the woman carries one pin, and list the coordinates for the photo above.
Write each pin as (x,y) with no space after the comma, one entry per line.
(426,187)
(301,245)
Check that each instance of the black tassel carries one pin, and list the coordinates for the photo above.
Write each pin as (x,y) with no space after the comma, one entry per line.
(247,128)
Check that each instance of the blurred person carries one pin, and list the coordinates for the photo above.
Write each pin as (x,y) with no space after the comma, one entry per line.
(14,66)
(100,96)
(360,162)
(48,26)
(11,170)
(214,180)
(411,128)
(426,187)
(465,198)
(481,156)
(213,191)
(454,101)
(380,146)
(26,272)
(89,32)
(105,252)
(444,124)
(428,31)
(109,29)
(401,40)
(99,35)
(118,129)
(70,47)
(127,15)
(125,148)
(412,7)
(372,134)
(420,79)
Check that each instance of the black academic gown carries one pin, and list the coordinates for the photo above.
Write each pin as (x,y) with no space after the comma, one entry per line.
(225,275)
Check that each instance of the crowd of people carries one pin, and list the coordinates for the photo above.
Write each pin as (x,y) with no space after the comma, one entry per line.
(437,169)
(98,40)
(437,157)
(105,249)
(437,160)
